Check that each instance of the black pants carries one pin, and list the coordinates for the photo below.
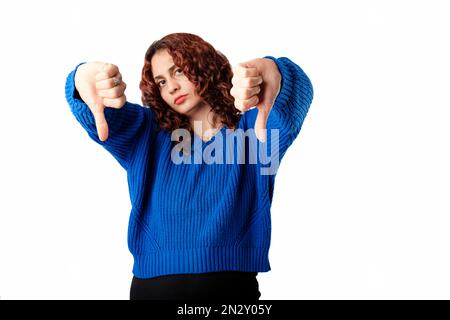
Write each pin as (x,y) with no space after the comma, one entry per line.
(212,286)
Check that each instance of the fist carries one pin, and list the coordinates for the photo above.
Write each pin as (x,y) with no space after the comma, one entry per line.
(246,83)
(256,83)
(100,85)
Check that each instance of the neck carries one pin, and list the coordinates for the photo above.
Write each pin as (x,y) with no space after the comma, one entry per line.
(202,123)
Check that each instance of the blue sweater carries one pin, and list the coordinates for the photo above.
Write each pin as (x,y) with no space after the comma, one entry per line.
(197,217)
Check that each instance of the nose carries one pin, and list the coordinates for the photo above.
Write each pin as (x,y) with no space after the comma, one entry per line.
(173,86)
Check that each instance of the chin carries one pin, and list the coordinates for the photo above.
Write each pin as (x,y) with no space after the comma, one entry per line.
(185,109)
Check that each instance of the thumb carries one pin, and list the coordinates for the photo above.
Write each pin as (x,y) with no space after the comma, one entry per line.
(266,101)
(264,105)
(261,124)
(100,121)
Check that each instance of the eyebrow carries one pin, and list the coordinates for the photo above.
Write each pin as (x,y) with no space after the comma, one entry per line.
(170,70)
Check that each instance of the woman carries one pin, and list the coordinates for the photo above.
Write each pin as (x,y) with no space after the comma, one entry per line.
(200,223)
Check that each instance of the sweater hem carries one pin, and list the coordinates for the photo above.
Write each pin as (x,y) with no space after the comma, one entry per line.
(200,260)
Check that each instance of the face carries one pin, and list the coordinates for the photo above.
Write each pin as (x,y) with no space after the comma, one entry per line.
(172,83)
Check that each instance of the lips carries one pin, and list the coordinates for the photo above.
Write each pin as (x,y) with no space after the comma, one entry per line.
(180,99)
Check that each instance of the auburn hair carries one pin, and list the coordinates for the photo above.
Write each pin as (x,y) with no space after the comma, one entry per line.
(207,68)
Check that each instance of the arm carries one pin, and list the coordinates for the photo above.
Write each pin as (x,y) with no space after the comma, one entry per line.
(124,123)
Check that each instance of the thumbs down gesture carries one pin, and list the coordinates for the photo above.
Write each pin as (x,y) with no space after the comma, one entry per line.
(100,85)
(256,83)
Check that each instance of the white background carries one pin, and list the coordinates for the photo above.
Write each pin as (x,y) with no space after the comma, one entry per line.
(361,205)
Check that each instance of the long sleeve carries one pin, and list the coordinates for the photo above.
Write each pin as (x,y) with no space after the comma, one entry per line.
(124,124)
(292,103)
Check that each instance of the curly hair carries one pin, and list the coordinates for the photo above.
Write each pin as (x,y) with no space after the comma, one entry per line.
(207,68)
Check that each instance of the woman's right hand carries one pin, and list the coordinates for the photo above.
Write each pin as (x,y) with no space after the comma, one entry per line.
(100,84)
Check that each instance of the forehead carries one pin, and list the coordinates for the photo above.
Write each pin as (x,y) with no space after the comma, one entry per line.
(161,62)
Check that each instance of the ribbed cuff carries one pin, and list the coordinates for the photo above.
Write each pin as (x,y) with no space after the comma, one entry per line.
(77,105)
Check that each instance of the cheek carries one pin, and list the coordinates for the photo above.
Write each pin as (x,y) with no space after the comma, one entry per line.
(189,86)
(165,96)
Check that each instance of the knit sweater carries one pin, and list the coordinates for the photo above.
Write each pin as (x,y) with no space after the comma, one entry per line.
(198,217)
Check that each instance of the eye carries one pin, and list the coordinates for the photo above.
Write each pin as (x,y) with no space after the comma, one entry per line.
(179,70)
(159,83)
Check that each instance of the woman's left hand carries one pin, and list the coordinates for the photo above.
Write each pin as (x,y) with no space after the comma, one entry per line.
(256,83)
